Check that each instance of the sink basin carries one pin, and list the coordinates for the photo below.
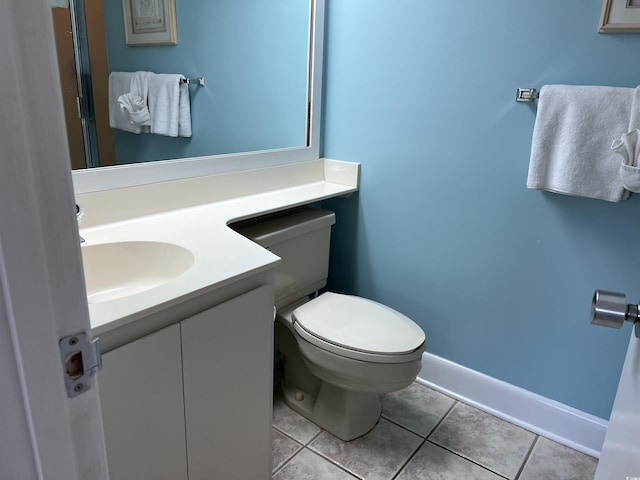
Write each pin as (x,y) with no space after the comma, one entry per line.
(119,269)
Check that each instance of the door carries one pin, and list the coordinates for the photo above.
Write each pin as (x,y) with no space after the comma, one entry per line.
(80,43)
(620,457)
(67,64)
(45,434)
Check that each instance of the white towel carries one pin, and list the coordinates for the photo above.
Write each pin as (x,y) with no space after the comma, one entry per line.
(169,105)
(140,92)
(634,122)
(628,147)
(135,103)
(119,86)
(136,107)
(570,149)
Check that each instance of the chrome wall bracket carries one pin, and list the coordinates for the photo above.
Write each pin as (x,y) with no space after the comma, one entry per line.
(526,94)
(193,81)
(81,361)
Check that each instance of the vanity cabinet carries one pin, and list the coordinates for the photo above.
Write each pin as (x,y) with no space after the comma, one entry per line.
(194,400)
(227,355)
(143,408)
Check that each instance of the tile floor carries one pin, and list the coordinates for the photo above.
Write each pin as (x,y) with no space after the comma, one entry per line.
(422,435)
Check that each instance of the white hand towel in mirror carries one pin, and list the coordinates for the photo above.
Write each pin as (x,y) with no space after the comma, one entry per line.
(120,84)
(140,88)
(184,115)
(136,107)
(169,105)
(570,149)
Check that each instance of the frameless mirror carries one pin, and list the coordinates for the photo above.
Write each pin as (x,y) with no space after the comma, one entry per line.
(261,61)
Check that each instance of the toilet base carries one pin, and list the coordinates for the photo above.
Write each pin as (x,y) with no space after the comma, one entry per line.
(343,413)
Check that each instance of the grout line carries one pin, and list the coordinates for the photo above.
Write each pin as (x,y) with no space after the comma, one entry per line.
(314,437)
(404,427)
(285,433)
(425,439)
(470,460)
(286,462)
(335,463)
(444,417)
(527,457)
(289,436)
(409,429)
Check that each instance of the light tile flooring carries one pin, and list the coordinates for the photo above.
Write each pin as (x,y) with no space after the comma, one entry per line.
(422,435)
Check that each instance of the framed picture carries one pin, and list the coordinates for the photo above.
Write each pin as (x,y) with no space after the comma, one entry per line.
(620,16)
(150,22)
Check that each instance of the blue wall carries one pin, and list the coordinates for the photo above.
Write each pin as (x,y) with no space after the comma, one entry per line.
(443,229)
(251,101)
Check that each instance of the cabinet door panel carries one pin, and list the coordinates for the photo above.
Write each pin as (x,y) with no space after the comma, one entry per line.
(227,356)
(143,408)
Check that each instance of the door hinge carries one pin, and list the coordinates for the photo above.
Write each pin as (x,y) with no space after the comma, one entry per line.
(81,361)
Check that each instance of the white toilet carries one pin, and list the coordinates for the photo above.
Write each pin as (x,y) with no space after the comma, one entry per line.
(340,351)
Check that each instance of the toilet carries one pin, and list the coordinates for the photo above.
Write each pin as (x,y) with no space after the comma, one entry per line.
(340,351)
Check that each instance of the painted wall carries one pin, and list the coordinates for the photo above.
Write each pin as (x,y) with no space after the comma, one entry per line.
(251,101)
(443,228)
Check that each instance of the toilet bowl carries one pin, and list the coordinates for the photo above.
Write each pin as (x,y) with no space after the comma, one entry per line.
(340,351)
(338,362)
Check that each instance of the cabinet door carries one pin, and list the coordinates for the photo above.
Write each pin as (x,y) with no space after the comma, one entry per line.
(227,354)
(143,408)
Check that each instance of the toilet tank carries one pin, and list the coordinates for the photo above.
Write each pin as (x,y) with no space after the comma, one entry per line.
(301,238)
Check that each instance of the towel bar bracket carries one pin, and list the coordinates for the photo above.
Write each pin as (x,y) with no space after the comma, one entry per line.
(526,94)
(193,81)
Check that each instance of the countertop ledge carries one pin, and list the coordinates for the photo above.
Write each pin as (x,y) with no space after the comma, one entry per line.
(194,214)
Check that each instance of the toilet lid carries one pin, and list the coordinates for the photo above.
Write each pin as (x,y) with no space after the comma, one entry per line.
(359,324)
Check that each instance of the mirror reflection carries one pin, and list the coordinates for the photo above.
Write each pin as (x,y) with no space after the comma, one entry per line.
(253,54)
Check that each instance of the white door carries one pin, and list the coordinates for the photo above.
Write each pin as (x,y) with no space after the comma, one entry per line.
(44,434)
(620,459)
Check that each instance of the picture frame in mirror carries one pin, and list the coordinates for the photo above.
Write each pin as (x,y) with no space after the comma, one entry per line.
(150,22)
(620,16)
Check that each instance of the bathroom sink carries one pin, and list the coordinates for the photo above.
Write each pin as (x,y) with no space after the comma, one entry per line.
(119,269)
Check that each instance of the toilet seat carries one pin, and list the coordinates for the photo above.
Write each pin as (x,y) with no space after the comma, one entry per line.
(358,328)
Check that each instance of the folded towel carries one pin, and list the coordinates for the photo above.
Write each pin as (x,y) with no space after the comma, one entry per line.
(136,107)
(140,87)
(570,149)
(169,105)
(628,147)
(119,85)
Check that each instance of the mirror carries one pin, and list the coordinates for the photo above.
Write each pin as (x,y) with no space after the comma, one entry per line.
(261,61)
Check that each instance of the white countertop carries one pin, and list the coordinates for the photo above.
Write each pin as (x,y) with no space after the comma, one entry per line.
(194,214)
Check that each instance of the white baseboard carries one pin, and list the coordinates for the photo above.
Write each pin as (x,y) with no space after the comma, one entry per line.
(548,418)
